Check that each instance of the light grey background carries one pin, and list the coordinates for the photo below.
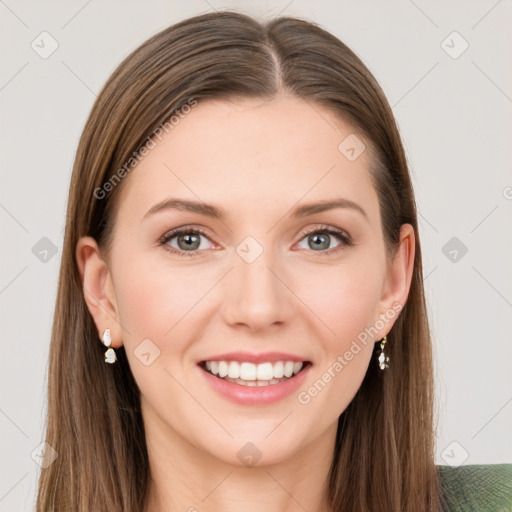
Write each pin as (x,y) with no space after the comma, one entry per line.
(455,119)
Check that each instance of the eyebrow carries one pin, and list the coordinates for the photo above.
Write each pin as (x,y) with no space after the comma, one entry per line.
(217,212)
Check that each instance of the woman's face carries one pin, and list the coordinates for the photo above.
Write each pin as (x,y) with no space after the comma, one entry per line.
(261,281)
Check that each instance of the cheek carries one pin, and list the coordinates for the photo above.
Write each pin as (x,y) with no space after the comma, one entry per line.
(345,298)
(153,298)
(154,302)
(349,308)
(354,303)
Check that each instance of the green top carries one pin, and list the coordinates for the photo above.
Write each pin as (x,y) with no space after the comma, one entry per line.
(477,488)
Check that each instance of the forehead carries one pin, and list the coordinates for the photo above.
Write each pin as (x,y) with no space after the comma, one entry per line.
(252,153)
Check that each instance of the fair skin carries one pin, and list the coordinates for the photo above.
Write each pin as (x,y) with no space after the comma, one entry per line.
(258,161)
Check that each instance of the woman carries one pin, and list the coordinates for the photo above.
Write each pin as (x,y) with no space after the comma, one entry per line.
(242,238)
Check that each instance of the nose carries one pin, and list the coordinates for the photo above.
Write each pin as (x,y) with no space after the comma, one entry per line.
(256,294)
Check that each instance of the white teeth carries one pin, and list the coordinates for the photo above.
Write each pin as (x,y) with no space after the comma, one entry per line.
(258,383)
(248,371)
(279,370)
(254,374)
(288,368)
(223,368)
(264,371)
(233,370)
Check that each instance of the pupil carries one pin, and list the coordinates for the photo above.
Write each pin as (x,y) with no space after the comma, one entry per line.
(189,240)
(325,243)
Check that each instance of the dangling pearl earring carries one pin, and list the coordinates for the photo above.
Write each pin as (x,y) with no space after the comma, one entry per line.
(110,355)
(381,356)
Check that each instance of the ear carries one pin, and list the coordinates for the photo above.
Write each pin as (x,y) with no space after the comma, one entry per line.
(98,289)
(399,276)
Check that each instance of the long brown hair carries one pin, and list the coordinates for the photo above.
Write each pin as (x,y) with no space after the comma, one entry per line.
(384,453)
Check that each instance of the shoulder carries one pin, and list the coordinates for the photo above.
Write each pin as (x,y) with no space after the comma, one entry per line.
(476,488)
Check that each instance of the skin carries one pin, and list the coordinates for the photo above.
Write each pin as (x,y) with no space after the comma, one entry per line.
(257,160)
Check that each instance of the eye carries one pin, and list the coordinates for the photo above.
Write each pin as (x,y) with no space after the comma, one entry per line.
(188,241)
(320,238)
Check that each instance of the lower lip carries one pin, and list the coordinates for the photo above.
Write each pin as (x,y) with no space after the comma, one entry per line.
(255,395)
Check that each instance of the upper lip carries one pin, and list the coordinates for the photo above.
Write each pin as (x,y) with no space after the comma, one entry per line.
(249,357)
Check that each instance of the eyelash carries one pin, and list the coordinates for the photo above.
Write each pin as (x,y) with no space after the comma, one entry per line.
(344,238)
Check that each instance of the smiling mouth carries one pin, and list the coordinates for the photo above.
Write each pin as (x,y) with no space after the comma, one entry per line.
(249,374)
